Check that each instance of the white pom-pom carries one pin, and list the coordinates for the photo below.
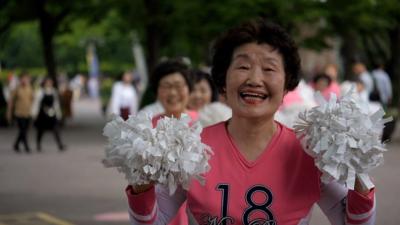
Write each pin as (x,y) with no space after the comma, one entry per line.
(170,154)
(343,138)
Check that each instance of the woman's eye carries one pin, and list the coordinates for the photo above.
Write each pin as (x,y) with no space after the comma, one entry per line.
(268,69)
(243,67)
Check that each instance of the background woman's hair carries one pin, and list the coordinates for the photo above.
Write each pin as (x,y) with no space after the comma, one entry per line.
(199,75)
(168,67)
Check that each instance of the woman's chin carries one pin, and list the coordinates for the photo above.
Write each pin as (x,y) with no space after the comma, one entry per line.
(175,111)
(254,113)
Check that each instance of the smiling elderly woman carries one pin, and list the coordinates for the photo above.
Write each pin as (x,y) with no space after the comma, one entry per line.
(259,172)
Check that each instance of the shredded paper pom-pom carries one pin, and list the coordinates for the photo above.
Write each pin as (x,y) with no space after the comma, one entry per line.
(344,139)
(170,154)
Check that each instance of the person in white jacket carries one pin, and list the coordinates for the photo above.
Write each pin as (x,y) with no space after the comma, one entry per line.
(124,98)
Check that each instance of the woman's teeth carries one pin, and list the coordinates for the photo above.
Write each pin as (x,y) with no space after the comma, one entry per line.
(252,95)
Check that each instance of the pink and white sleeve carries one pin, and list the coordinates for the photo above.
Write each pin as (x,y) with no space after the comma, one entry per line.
(347,207)
(155,206)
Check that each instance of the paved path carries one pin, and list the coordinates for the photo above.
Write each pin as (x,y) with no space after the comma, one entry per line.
(73,188)
(71,185)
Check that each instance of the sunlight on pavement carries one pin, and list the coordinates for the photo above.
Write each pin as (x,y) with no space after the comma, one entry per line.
(38,218)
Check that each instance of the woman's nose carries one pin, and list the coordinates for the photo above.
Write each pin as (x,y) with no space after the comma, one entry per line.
(255,76)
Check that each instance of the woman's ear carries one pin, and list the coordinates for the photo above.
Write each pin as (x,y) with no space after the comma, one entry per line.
(285,92)
(222,96)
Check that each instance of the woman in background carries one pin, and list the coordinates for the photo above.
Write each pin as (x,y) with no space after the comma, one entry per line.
(204,99)
(124,99)
(20,106)
(172,85)
(204,90)
(47,113)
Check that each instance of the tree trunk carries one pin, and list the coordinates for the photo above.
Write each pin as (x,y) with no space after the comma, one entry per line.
(47,30)
(394,64)
(349,52)
(153,34)
(47,42)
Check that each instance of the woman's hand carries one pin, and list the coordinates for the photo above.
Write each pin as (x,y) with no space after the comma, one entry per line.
(359,188)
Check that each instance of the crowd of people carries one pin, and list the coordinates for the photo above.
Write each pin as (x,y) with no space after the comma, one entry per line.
(373,89)
(39,103)
(247,99)
(258,170)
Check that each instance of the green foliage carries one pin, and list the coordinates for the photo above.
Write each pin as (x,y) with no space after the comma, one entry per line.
(20,48)
(187,28)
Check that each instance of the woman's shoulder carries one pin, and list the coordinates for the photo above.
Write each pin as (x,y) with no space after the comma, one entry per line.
(194,115)
(288,138)
(214,131)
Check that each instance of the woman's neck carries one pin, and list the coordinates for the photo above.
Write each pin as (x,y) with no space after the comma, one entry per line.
(251,136)
(251,128)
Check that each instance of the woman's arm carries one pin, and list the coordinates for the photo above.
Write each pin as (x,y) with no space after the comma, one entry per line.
(343,206)
(36,103)
(10,107)
(57,106)
(154,206)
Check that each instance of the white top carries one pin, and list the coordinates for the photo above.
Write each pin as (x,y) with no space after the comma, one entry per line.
(123,96)
(38,98)
(366,78)
(383,84)
(152,109)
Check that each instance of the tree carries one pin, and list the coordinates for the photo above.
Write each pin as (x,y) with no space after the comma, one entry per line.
(49,13)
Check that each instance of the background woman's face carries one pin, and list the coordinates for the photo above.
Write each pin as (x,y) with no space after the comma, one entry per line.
(321,85)
(127,78)
(48,83)
(201,95)
(173,93)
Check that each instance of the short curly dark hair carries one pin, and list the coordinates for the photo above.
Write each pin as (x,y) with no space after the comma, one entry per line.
(258,31)
(198,76)
(168,67)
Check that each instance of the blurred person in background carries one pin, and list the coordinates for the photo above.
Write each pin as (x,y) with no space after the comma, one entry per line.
(332,71)
(77,85)
(47,113)
(321,83)
(360,94)
(154,108)
(204,100)
(12,81)
(124,98)
(106,84)
(382,84)
(3,106)
(19,107)
(171,83)
(362,73)
(204,91)
(66,97)
(294,102)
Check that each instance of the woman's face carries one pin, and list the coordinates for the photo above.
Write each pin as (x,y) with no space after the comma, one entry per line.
(332,72)
(321,85)
(255,81)
(173,93)
(25,80)
(201,95)
(127,78)
(48,83)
